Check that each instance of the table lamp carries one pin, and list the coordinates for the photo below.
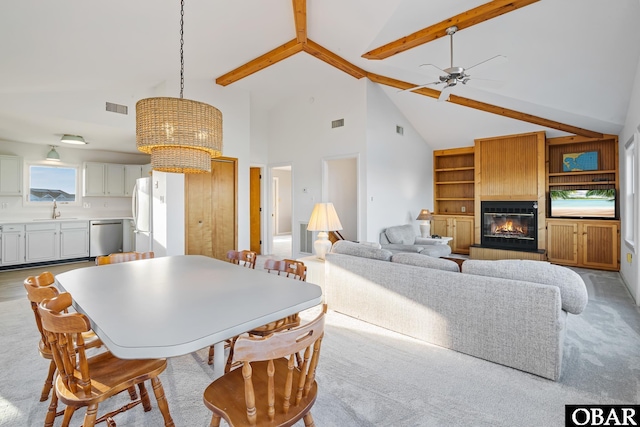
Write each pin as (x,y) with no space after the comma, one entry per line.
(323,219)
(425,227)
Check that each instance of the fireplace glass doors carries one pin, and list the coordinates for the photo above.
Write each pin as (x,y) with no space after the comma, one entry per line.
(510,225)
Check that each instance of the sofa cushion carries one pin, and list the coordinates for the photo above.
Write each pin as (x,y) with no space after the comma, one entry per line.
(401,234)
(420,260)
(356,249)
(573,291)
(403,248)
(436,251)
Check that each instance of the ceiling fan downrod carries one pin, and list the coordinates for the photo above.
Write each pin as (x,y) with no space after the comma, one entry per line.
(451,31)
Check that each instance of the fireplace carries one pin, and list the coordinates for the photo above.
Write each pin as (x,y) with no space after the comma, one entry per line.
(510,225)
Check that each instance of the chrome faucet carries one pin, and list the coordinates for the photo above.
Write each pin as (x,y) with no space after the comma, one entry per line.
(55,214)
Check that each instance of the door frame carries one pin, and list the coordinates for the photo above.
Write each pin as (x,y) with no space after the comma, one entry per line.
(270,231)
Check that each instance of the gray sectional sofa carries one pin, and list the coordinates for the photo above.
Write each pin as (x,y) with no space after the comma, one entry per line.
(511,312)
(402,238)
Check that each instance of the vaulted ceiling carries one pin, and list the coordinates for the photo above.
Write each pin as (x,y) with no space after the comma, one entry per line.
(570,69)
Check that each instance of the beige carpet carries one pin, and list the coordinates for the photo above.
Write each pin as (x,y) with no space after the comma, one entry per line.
(372,377)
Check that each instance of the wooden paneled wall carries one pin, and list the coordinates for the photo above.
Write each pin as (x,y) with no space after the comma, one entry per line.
(511,167)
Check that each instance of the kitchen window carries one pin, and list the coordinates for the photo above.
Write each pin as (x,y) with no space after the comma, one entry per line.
(47,184)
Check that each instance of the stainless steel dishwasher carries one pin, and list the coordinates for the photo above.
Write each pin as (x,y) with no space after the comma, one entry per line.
(105,237)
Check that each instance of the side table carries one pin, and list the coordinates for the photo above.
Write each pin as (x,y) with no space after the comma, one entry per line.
(438,241)
(315,271)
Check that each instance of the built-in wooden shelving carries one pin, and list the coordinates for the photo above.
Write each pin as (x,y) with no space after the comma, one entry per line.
(454,181)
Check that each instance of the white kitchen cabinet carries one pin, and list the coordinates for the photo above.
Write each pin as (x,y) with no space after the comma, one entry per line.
(93,179)
(104,179)
(114,180)
(74,239)
(12,244)
(10,176)
(131,173)
(42,242)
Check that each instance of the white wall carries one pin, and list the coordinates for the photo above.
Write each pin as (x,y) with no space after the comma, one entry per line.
(101,207)
(395,172)
(399,168)
(342,190)
(630,271)
(300,133)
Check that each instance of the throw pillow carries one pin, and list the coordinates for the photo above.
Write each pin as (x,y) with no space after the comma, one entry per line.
(573,291)
(401,234)
(425,261)
(346,247)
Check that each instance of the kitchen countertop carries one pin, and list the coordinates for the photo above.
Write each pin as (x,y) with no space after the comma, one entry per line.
(5,221)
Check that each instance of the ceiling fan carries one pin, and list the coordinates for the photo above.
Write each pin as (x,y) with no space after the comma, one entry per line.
(453,75)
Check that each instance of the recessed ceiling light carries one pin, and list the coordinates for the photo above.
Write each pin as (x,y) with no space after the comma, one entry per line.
(72,139)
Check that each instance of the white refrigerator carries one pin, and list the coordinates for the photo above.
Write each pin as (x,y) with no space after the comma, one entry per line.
(142,207)
(158,214)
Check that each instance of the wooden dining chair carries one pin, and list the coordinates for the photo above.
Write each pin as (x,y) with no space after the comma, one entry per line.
(243,258)
(40,288)
(289,268)
(275,390)
(117,257)
(87,381)
(36,293)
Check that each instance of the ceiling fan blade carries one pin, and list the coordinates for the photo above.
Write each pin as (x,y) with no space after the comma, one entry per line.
(444,94)
(411,89)
(432,70)
(496,60)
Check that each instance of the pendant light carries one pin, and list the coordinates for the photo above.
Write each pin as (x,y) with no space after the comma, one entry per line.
(53,154)
(180,134)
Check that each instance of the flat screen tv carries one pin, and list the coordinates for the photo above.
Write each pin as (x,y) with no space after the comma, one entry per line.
(581,203)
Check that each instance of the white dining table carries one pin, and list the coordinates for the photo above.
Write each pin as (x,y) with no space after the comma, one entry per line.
(175,305)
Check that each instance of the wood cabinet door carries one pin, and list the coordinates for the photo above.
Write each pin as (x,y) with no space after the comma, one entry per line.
(562,242)
(600,245)
(210,201)
(462,233)
(440,226)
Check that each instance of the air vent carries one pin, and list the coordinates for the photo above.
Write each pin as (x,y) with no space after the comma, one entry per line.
(306,239)
(117,108)
(399,130)
(337,123)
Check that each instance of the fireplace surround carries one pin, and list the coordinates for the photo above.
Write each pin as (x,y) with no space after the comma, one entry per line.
(511,225)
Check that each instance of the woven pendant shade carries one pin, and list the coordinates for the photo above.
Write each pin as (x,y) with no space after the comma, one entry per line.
(180,134)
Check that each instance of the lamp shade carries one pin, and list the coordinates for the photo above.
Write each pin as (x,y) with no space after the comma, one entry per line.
(53,154)
(324,218)
(180,134)
(424,215)
(72,139)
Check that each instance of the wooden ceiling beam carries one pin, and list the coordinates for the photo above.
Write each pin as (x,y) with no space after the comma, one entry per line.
(483,106)
(463,20)
(300,18)
(313,48)
(260,63)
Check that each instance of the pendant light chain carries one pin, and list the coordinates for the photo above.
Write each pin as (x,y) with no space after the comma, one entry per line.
(181,48)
